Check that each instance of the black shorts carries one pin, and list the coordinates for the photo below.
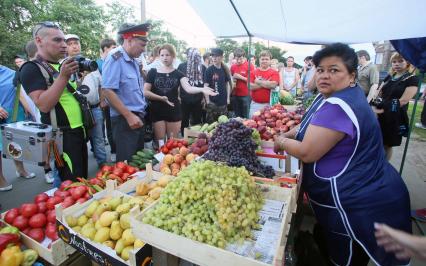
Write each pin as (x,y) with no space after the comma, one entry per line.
(163,112)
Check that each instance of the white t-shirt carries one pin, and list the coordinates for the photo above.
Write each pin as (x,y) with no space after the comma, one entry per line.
(289,77)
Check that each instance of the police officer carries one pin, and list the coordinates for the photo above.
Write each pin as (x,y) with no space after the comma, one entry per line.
(123,88)
(48,84)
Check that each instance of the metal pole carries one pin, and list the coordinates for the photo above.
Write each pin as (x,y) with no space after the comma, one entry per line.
(422,75)
(249,66)
(143,11)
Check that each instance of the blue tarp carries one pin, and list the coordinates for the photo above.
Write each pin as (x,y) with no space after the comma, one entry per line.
(414,50)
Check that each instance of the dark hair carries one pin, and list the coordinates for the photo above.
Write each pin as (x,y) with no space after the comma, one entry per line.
(346,53)
(239,52)
(107,43)
(363,53)
(31,49)
(307,58)
(206,55)
(290,57)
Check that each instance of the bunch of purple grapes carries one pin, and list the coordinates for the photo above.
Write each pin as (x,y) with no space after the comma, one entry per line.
(232,144)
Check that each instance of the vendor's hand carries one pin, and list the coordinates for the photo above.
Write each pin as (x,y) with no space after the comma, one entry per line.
(134,121)
(166,100)
(68,68)
(3,113)
(207,91)
(401,243)
(279,144)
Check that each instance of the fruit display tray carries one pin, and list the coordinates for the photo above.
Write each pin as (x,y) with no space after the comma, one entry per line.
(98,253)
(204,254)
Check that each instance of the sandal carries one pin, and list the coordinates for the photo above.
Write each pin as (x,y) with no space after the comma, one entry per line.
(6,188)
(29,176)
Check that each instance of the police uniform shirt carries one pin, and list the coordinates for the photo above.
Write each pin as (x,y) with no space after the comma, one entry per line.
(121,74)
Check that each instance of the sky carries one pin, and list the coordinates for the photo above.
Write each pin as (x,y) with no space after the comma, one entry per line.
(180,19)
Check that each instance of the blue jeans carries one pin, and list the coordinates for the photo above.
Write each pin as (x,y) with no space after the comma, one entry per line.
(241,105)
(97,138)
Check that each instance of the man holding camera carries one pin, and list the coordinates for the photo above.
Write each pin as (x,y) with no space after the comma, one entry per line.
(90,88)
(122,86)
(49,85)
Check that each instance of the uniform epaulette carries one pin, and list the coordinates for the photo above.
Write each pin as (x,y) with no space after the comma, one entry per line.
(117,55)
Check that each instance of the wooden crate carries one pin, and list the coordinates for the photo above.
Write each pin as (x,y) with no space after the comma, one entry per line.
(204,254)
(99,253)
(55,255)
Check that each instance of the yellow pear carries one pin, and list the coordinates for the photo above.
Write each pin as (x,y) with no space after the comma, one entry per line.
(82,220)
(136,201)
(128,237)
(109,243)
(138,244)
(116,230)
(108,217)
(123,208)
(125,254)
(77,228)
(102,235)
(125,221)
(125,199)
(92,208)
(103,207)
(106,199)
(98,224)
(87,225)
(114,202)
(88,232)
(119,246)
(71,221)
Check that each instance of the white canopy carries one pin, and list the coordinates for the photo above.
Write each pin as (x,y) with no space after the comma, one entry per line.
(313,21)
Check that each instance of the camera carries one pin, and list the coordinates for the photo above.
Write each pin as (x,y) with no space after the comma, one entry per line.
(377,102)
(85,64)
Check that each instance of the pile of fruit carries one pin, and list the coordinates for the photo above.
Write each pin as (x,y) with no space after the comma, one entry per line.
(107,221)
(200,145)
(10,251)
(172,146)
(121,172)
(209,128)
(142,157)
(172,164)
(38,220)
(150,192)
(274,120)
(209,202)
(232,144)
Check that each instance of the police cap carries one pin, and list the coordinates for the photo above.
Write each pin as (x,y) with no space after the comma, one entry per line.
(135,31)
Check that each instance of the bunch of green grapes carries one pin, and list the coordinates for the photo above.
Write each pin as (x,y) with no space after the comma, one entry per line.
(209,202)
(255,135)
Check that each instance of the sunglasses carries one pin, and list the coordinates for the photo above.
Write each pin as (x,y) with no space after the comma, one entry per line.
(45,24)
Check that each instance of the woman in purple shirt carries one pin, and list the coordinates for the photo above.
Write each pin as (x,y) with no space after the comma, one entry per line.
(350,184)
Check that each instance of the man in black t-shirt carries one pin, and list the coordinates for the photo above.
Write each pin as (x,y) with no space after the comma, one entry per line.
(51,93)
(217,79)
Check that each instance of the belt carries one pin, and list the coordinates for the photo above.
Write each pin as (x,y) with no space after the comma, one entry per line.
(95,105)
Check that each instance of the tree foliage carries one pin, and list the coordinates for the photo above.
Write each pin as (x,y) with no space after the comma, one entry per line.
(82,17)
(229,45)
(158,35)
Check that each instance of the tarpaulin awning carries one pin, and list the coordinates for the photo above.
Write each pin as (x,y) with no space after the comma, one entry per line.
(317,22)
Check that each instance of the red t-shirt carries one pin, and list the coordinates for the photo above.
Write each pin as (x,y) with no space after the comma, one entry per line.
(262,95)
(241,86)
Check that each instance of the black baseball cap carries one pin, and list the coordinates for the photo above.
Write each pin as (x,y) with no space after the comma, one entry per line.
(216,52)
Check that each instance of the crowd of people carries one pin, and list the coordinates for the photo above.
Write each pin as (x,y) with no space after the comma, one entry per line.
(347,175)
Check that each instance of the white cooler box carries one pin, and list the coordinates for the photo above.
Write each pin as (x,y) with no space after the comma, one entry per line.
(28,141)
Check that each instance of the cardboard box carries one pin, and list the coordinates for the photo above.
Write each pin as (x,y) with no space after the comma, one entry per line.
(98,253)
(204,254)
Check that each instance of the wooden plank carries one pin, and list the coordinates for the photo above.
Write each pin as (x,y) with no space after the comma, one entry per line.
(203,254)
